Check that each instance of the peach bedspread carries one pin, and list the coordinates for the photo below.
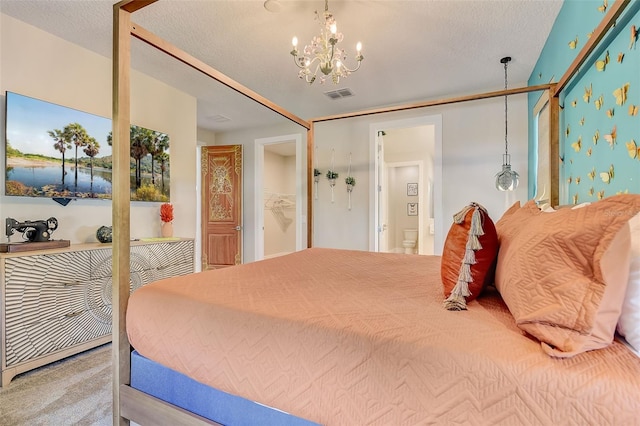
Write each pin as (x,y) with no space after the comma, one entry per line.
(353,338)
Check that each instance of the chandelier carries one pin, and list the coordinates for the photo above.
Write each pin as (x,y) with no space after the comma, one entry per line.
(506,179)
(323,54)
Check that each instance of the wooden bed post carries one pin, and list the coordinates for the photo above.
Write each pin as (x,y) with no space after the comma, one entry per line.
(310,179)
(121,205)
(554,147)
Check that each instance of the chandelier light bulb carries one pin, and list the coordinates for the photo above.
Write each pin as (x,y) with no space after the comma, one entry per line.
(323,57)
(295,41)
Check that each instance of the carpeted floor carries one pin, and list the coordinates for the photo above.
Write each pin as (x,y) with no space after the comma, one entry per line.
(73,391)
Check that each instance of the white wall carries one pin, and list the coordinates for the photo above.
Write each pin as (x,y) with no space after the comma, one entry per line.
(39,65)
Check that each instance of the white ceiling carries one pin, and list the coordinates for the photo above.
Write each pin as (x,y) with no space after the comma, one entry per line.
(414,50)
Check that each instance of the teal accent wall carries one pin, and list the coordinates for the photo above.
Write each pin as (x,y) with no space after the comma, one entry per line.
(599,128)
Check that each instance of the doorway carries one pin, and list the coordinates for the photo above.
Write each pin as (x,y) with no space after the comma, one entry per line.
(279,220)
(407,183)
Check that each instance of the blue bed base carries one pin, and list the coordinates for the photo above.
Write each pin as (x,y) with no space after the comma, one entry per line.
(175,388)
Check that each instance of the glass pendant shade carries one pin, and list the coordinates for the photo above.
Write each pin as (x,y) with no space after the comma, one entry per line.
(507,179)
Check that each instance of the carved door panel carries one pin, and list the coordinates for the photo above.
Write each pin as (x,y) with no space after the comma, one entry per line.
(221,206)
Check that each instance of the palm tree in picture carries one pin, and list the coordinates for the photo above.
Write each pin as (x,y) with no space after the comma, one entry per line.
(163,159)
(78,137)
(156,144)
(139,143)
(92,149)
(61,144)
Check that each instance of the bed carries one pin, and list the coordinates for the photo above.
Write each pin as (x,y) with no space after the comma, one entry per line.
(348,337)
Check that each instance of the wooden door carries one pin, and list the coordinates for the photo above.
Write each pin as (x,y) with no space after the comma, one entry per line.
(221,206)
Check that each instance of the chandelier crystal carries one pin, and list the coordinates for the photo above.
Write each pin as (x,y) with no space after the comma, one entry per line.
(506,179)
(323,54)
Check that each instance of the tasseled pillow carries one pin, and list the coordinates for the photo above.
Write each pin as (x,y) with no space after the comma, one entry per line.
(469,256)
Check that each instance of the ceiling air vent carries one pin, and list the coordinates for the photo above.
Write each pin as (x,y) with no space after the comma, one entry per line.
(219,118)
(340,93)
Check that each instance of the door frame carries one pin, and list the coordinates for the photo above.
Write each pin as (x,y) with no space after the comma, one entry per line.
(374,128)
(259,190)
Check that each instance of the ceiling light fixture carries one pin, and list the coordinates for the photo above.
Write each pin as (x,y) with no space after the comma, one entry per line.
(506,179)
(323,54)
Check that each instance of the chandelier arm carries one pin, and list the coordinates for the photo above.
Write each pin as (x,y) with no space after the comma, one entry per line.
(352,70)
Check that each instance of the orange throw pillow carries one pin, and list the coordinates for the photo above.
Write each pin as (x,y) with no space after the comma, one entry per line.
(468,257)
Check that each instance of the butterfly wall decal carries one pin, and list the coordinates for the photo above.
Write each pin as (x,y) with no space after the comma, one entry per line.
(587,93)
(577,180)
(574,103)
(582,121)
(591,191)
(599,102)
(573,43)
(611,137)
(589,152)
(596,137)
(633,110)
(603,7)
(610,112)
(567,131)
(634,37)
(592,174)
(577,145)
(621,94)
(607,176)
(620,57)
(600,195)
(633,149)
(575,198)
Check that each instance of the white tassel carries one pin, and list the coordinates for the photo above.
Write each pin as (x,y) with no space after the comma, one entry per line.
(456,300)
(469,257)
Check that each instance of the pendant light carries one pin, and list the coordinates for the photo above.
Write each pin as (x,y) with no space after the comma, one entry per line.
(506,179)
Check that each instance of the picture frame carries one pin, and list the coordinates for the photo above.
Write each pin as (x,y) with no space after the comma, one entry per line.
(412,209)
(412,189)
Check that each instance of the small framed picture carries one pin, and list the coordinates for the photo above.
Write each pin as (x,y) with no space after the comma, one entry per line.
(412,209)
(412,189)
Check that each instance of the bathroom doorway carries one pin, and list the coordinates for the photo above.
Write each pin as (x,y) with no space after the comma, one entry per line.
(407,185)
(278,196)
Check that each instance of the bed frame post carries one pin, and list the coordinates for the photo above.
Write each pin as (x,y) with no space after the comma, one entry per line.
(121,205)
(310,179)
(554,147)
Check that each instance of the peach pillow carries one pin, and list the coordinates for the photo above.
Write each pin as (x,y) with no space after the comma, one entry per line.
(506,219)
(563,275)
(629,322)
(468,257)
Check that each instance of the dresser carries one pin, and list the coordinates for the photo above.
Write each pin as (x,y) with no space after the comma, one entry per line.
(56,303)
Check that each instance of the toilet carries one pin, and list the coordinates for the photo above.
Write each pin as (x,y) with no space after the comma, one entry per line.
(409,241)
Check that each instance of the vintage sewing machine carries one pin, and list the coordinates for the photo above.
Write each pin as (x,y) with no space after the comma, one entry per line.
(32,230)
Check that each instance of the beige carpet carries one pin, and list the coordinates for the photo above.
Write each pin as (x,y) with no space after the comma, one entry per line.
(73,391)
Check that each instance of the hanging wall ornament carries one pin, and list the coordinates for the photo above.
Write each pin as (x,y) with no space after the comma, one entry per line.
(332,175)
(316,174)
(350,181)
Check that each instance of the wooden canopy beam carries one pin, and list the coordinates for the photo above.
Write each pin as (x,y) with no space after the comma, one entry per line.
(182,56)
(433,103)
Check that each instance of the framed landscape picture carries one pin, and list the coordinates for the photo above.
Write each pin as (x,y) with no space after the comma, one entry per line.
(58,152)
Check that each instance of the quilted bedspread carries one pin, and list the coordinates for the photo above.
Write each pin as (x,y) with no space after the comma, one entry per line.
(354,338)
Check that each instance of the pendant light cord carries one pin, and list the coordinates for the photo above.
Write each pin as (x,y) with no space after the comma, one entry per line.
(506,144)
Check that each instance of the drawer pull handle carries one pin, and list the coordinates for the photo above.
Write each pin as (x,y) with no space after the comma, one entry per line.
(73,314)
(72,283)
(160,268)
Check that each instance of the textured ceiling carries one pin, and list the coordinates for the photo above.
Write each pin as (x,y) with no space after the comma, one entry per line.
(414,50)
